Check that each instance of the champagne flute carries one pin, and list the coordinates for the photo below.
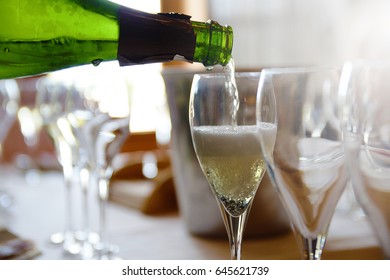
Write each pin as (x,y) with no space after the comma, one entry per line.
(365,86)
(306,165)
(30,124)
(226,142)
(100,119)
(51,101)
(9,104)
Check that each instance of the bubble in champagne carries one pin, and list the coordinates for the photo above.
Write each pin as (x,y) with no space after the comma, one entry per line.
(231,88)
(235,207)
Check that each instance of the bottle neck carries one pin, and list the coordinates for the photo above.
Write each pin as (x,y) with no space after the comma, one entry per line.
(214,43)
(174,37)
(138,45)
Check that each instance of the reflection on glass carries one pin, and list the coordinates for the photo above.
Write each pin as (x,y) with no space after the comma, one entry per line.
(227,144)
(366,85)
(307,165)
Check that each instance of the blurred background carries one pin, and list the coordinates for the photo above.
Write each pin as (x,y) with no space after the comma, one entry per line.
(267,33)
(304,32)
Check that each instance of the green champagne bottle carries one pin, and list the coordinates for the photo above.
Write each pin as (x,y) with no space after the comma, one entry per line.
(38,36)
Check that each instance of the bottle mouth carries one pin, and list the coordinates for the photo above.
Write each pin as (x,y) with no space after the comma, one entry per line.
(221,44)
(216,44)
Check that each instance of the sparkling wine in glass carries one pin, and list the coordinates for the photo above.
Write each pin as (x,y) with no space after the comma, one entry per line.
(225,137)
(307,164)
(365,86)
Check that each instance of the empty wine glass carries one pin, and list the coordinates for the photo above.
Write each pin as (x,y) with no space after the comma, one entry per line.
(366,85)
(9,104)
(99,115)
(307,163)
(51,102)
(225,137)
(30,124)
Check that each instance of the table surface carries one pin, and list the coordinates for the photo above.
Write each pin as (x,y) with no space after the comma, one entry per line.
(38,211)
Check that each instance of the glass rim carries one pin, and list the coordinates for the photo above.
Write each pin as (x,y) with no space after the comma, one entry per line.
(222,74)
(301,69)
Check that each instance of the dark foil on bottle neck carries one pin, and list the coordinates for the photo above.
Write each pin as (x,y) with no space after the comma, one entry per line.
(147,38)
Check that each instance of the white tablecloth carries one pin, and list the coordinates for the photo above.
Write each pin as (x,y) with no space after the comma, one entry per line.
(38,211)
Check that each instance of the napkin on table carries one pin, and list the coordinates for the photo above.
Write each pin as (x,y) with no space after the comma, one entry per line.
(12,247)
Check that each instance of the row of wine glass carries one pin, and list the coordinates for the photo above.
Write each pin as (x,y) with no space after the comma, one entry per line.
(313,129)
(87,117)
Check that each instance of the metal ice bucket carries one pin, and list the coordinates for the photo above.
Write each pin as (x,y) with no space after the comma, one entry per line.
(197,204)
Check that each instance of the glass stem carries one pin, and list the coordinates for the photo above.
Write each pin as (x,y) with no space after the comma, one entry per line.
(84,176)
(67,169)
(311,248)
(68,200)
(235,226)
(86,210)
(65,151)
(103,184)
(69,227)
